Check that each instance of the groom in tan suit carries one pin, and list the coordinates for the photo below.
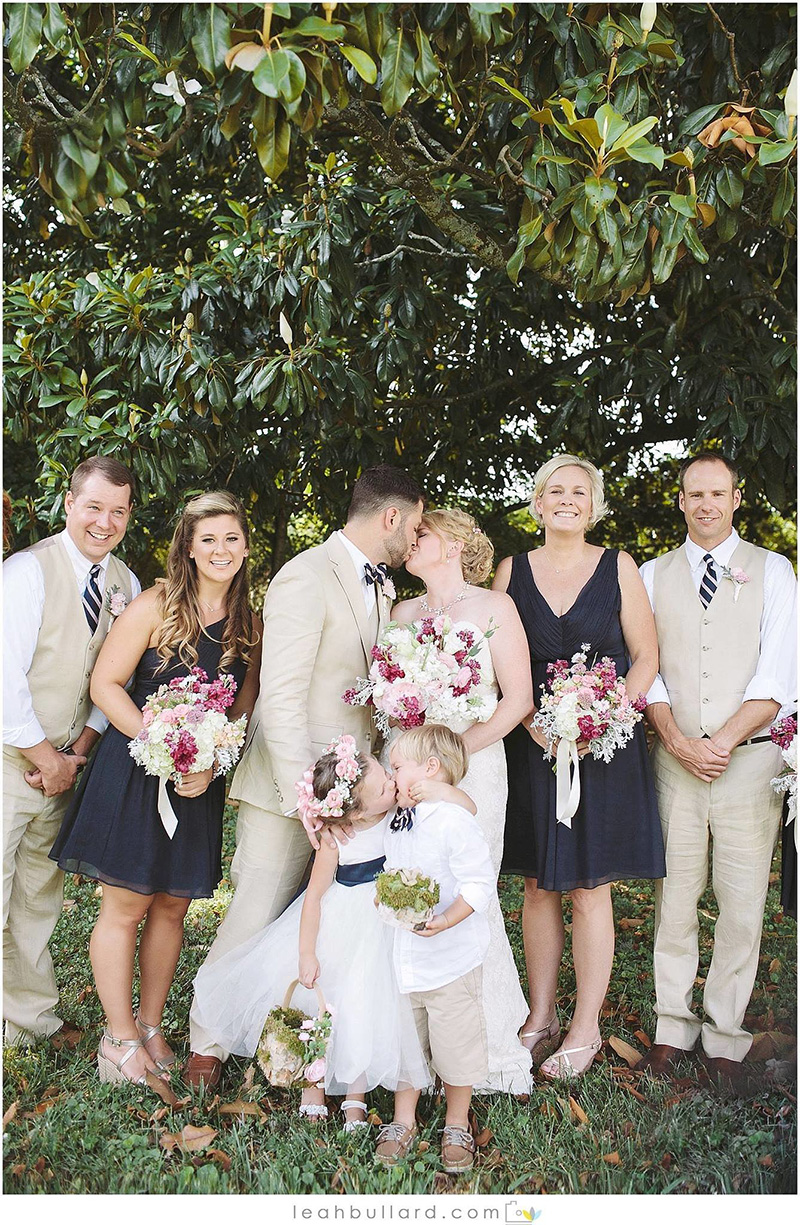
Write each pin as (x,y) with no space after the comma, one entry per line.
(322,616)
(725,616)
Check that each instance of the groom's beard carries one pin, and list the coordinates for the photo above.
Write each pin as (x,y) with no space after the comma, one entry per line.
(396,547)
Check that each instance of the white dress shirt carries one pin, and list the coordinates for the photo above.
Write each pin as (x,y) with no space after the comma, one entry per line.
(775,676)
(23,609)
(446,843)
(359,560)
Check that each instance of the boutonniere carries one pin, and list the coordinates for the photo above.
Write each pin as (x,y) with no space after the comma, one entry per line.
(116,601)
(737,577)
(389,589)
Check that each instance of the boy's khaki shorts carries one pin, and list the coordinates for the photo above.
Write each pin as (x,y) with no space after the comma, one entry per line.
(452,1029)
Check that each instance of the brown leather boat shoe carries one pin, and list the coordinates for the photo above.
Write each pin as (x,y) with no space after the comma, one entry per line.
(202,1070)
(661,1059)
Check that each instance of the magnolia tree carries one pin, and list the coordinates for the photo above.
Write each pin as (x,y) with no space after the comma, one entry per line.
(265,245)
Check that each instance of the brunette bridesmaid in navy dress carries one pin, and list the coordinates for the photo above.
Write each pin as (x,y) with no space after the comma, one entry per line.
(112,832)
(570,593)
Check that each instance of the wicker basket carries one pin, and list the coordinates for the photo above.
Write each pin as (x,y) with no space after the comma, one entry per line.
(278,1056)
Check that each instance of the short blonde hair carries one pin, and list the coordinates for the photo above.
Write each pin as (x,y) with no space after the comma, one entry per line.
(436,740)
(599,505)
(450,523)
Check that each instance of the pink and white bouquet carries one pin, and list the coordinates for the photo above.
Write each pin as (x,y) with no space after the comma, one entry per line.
(186,730)
(784,734)
(426,672)
(589,704)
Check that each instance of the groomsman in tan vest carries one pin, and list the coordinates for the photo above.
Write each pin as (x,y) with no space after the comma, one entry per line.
(322,616)
(57,612)
(725,616)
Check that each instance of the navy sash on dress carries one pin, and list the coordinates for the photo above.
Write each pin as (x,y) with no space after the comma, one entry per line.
(359,873)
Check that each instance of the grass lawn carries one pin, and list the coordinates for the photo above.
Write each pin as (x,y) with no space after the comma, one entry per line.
(614,1131)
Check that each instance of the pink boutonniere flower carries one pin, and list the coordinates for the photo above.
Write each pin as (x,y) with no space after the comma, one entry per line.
(116,601)
(737,577)
(389,589)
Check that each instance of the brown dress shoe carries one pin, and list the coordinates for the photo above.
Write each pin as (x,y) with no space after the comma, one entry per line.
(660,1060)
(202,1070)
(730,1074)
(458,1150)
(393,1142)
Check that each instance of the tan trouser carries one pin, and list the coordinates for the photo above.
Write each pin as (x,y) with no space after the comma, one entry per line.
(272,852)
(742,813)
(33,891)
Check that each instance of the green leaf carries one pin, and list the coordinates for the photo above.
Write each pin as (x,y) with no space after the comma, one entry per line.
(587,129)
(768,154)
(364,64)
(271,73)
(55,27)
(672,227)
(397,72)
(600,192)
(683,204)
(587,250)
(122,206)
(610,124)
(115,184)
(695,122)
(784,195)
(729,186)
(664,258)
(427,70)
(528,233)
(145,51)
(294,82)
(583,212)
(317,27)
(645,152)
(681,159)
(212,37)
(608,229)
(24,34)
(272,142)
(634,134)
(693,244)
(480,22)
(87,158)
(545,116)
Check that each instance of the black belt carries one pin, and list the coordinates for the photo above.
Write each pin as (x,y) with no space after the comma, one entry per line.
(359,873)
(755,740)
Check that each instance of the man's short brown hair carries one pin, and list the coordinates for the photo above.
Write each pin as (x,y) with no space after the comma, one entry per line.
(383,486)
(110,469)
(705,455)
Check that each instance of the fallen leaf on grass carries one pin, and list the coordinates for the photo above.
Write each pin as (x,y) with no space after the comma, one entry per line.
(68,903)
(775,965)
(548,1109)
(249,1076)
(583,1179)
(625,924)
(642,1037)
(612,1158)
(666,1161)
(240,1108)
(578,1111)
(216,1154)
(84,993)
(483,1137)
(374,1119)
(640,1097)
(626,1052)
(49,1098)
(772,1045)
(16,1170)
(9,1115)
(423,1146)
(163,1089)
(766,1161)
(189,1139)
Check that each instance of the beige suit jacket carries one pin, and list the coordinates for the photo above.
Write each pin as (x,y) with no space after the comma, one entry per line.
(317,640)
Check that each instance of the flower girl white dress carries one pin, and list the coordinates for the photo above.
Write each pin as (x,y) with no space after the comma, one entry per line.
(374,1040)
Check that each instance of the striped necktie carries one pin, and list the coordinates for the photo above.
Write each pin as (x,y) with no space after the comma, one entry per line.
(708,584)
(92,599)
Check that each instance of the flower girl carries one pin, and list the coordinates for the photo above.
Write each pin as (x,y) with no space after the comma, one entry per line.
(334,931)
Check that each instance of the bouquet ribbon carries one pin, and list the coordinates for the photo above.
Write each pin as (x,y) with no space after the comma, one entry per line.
(165,809)
(568,781)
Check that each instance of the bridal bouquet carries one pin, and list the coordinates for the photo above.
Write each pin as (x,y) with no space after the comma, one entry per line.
(590,704)
(406,897)
(186,730)
(426,672)
(784,734)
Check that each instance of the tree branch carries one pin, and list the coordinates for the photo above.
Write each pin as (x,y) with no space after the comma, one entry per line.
(731,44)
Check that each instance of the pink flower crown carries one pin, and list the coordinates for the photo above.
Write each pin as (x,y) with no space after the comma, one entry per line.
(348,772)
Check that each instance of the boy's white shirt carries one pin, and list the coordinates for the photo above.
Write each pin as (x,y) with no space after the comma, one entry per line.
(446,843)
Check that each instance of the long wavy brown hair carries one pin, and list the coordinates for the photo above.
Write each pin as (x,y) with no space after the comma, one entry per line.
(178,600)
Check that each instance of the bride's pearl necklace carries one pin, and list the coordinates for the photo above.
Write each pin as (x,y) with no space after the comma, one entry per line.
(437,612)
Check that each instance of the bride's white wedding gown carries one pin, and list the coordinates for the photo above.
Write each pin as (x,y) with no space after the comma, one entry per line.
(504,1005)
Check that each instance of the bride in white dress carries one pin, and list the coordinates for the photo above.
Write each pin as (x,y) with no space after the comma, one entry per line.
(450,555)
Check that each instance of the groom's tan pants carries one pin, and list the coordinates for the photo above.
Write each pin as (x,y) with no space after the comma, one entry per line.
(33,891)
(272,852)
(741,812)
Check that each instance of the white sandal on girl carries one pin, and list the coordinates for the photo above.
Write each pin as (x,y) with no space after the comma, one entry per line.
(563,1067)
(354,1124)
(311,1110)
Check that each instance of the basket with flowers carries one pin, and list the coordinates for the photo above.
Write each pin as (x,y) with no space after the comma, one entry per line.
(406,897)
(293,1046)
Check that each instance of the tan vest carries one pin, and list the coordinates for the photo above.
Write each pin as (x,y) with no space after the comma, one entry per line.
(707,656)
(65,653)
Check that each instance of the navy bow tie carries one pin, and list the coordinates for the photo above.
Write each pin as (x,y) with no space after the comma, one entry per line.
(376,574)
(403,819)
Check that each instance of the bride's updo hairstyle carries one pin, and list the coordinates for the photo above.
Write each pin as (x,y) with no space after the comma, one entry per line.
(178,600)
(325,779)
(454,524)
(600,507)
